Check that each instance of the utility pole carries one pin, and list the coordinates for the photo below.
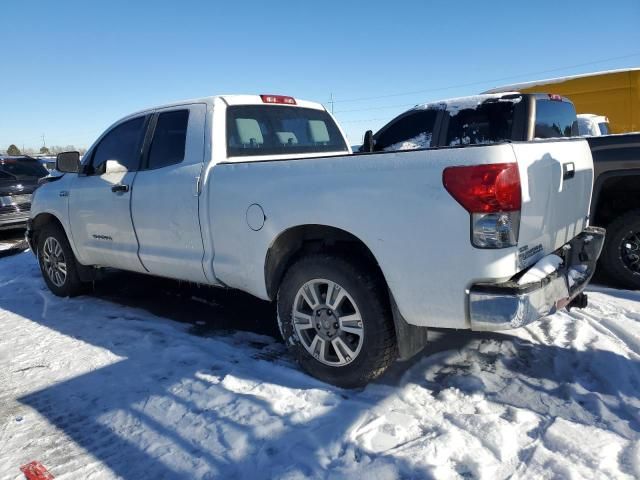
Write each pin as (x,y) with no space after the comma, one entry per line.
(331,102)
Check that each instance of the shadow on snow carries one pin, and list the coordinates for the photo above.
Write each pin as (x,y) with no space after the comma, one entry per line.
(218,431)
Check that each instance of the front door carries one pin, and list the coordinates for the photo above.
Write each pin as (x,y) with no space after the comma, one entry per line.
(99,201)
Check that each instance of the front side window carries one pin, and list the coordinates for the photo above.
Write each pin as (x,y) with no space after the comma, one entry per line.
(554,119)
(409,132)
(489,122)
(169,139)
(279,130)
(121,144)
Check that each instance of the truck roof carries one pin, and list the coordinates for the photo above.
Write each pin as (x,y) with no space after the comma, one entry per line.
(460,103)
(236,99)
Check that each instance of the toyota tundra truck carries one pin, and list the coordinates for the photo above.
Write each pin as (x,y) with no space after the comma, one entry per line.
(362,253)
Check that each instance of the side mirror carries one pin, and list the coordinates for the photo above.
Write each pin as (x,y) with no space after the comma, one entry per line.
(367,142)
(113,166)
(68,162)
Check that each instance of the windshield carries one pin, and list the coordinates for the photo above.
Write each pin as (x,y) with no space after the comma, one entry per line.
(23,168)
(254,130)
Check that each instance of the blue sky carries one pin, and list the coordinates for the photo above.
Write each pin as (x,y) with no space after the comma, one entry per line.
(70,68)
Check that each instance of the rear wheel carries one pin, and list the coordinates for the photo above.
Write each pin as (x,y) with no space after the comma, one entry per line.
(334,316)
(58,263)
(621,253)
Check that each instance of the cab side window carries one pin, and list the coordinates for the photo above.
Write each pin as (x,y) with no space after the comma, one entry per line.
(169,139)
(555,119)
(409,132)
(122,144)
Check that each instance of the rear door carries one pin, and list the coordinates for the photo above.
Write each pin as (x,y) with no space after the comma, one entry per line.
(164,203)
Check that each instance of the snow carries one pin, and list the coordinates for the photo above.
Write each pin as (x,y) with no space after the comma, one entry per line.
(545,266)
(422,140)
(455,105)
(95,389)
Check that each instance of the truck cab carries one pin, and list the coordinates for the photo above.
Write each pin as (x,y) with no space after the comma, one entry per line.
(133,201)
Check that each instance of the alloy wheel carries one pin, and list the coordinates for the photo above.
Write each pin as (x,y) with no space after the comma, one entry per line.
(328,322)
(54,262)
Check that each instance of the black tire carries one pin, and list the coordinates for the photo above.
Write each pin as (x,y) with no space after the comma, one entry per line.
(378,348)
(612,259)
(71,286)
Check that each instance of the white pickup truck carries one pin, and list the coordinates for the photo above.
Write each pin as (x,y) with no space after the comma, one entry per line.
(361,252)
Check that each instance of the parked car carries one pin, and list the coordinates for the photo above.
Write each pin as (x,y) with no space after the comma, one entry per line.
(591,125)
(362,253)
(18,179)
(616,204)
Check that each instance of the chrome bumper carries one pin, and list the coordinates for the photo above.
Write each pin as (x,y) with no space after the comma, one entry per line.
(13,220)
(509,305)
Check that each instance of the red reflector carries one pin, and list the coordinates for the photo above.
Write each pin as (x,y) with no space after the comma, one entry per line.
(278,99)
(35,471)
(485,188)
(555,96)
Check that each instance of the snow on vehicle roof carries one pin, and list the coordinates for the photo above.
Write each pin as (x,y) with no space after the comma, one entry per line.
(519,86)
(454,105)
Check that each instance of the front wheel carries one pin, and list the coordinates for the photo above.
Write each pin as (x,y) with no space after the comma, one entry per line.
(334,317)
(58,263)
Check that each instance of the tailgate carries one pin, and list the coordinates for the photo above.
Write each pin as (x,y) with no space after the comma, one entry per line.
(556,178)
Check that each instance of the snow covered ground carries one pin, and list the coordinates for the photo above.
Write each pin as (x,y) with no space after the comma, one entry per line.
(97,390)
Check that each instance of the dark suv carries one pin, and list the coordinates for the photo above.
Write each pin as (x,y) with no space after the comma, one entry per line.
(18,179)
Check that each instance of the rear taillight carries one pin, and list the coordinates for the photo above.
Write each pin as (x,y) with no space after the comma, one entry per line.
(278,99)
(491,194)
(555,97)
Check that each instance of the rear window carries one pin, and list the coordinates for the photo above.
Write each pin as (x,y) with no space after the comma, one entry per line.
(604,128)
(23,168)
(410,131)
(279,130)
(489,122)
(169,139)
(555,119)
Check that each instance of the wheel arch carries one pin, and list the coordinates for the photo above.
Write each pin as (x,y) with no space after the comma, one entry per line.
(615,193)
(296,241)
(86,273)
(42,219)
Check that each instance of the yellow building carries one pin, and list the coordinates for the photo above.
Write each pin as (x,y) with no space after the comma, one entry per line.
(615,94)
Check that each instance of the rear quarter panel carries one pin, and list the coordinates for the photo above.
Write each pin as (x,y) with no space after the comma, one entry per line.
(394,202)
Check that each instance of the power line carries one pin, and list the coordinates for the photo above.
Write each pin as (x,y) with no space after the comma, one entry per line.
(540,72)
(377,108)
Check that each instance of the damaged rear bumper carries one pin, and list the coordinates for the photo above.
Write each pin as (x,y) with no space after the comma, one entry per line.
(510,305)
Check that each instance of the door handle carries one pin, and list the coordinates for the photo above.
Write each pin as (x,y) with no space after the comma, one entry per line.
(120,188)
(568,170)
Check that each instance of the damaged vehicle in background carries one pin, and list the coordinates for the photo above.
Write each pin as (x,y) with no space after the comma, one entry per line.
(19,177)
(361,253)
(476,120)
